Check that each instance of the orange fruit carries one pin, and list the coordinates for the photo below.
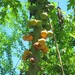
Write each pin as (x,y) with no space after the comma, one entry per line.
(44,34)
(42,46)
(45,50)
(36,45)
(27,53)
(42,41)
(24,57)
(27,37)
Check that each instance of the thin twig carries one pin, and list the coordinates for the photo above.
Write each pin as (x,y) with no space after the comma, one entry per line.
(57,50)
(17,63)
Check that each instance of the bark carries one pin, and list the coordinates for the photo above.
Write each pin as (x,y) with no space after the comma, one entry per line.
(34,67)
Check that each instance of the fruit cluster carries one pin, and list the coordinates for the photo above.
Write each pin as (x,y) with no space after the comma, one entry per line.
(41,43)
(38,20)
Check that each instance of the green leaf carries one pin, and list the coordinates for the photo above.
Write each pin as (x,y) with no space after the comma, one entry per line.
(72,35)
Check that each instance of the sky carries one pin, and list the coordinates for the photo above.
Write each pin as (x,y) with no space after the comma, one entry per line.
(63,5)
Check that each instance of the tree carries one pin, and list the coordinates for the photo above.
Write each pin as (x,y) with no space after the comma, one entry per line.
(49,32)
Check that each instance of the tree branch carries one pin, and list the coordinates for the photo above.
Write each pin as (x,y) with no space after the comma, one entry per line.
(57,50)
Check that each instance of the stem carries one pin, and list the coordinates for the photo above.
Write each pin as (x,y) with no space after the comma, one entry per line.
(34,67)
(58,52)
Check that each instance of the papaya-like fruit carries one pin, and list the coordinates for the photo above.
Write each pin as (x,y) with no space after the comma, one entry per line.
(45,50)
(44,15)
(50,33)
(42,41)
(32,22)
(36,45)
(44,34)
(24,57)
(27,37)
(39,23)
(51,6)
(42,46)
(26,54)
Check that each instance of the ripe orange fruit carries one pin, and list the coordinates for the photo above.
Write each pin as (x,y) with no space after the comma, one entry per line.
(42,41)
(36,45)
(27,37)
(42,46)
(27,53)
(24,57)
(44,34)
(45,50)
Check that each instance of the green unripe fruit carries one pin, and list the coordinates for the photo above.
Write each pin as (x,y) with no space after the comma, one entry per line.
(50,33)
(44,15)
(39,23)
(32,22)
(51,6)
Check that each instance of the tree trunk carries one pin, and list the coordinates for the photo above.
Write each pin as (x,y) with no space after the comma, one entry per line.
(34,67)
